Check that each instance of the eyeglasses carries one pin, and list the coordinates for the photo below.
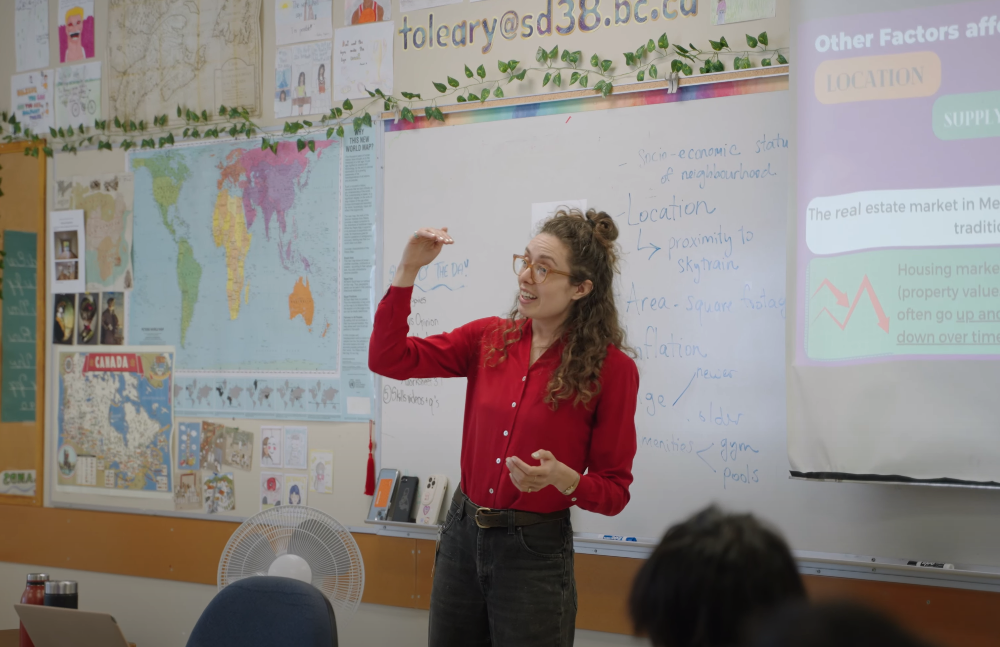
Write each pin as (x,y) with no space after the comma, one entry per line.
(538,272)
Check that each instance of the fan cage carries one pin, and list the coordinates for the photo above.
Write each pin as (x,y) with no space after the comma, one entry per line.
(338,570)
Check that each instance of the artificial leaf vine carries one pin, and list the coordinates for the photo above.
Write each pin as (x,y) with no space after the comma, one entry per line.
(651,60)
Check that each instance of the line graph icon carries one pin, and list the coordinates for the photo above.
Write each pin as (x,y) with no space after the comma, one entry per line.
(842,300)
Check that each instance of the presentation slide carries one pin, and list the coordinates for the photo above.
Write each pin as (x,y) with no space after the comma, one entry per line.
(898,194)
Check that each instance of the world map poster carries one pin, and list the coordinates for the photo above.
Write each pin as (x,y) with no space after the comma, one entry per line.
(238,264)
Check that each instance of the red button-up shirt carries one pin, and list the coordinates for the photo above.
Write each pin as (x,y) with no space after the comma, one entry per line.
(505,414)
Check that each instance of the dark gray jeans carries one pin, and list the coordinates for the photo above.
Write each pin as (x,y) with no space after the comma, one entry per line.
(502,587)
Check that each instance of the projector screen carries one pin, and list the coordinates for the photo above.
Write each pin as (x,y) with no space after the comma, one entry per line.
(894,347)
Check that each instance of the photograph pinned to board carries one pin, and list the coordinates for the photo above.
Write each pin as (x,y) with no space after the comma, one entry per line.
(31,34)
(63,318)
(106,201)
(68,238)
(76,30)
(112,318)
(78,94)
(213,446)
(31,95)
(86,318)
(189,445)
(295,448)
(220,493)
(270,446)
(239,449)
(362,60)
(320,471)
(301,80)
(362,12)
(271,489)
(726,12)
(188,491)
(296,486)
(297,21)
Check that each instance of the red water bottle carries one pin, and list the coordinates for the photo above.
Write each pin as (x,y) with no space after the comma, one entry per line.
(34,593)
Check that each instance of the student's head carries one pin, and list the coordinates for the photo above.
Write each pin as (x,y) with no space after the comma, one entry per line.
(294,495)
(831,625)
(566,279)
(710,578)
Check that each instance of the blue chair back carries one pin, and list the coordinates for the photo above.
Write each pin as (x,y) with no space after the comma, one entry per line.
(266,611)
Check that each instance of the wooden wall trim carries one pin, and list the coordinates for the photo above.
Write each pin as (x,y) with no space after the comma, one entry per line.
(398,570)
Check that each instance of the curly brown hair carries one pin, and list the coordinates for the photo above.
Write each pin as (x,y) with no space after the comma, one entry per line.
(593,321)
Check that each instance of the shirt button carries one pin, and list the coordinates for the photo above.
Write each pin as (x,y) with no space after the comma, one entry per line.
(505,432)
(491,490)
(524,378)
(573,499)
(513,404)
(498,461)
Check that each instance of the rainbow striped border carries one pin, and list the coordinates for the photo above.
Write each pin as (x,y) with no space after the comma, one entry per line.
(587,104)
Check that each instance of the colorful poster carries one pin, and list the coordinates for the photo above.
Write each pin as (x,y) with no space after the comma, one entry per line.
(239,449)
(20,322)
(297,21)
(360,12)
(320,471)
(362,60)
(76,30)
(112,318)
(87,321)
(31,95)
(188,493)
(106,201)
(189,446)
(115,420)
(296,486)
(78,94)
(301,75)
(213,446)
(220,493)
(31,34)
(897,258)
(68,238)
(296,447)
(725,12)
(18,482)
(270,446)
(63,318)
(272,489)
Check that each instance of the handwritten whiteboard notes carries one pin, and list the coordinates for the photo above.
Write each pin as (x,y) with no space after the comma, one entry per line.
(362,60)
(20,323)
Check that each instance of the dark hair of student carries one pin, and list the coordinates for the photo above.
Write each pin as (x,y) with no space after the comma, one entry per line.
(710,578)
(833,624)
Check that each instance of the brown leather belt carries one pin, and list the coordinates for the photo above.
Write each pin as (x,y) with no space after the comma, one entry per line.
(489,518)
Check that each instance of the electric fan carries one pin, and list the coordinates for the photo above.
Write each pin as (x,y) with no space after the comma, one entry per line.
(301,543)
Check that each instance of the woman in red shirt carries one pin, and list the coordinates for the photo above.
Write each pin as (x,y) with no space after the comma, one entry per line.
(549,423)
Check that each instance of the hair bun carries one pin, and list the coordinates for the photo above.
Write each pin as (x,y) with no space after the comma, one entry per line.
(605,229)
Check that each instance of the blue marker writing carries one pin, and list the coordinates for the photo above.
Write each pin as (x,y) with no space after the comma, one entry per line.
(618,538)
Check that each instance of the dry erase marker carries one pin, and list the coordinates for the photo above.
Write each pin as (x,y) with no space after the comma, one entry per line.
(931,565)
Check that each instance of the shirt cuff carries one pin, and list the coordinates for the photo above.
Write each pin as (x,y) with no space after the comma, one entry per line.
(584,492)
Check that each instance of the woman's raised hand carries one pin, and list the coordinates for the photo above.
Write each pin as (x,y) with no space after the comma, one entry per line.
(421,249)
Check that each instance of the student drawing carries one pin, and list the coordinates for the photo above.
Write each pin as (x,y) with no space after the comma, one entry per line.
(220,493)
(301,93)
(321,78)
(321,472)
(295,447)
(368,11)
(296,486)
(239,449)
(188,495)
(720,17)
(270,446)
(271,489)
(76,34)
(212,445)
(189,445)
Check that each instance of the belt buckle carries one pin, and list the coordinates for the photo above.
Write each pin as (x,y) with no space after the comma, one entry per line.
(476,517)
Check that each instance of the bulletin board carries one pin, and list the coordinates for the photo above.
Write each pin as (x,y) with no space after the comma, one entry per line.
(22,353)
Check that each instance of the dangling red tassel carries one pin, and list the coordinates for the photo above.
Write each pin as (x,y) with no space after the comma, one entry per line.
(370,478)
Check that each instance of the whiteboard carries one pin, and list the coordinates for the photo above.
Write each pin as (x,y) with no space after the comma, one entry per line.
(699,189)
